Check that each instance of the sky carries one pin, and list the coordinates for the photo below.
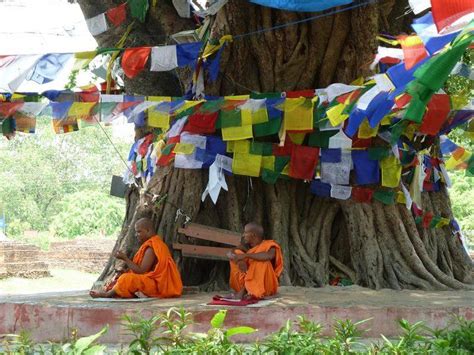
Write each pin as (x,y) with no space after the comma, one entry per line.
(32,28)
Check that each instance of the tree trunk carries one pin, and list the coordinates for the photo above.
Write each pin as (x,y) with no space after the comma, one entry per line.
(375,245)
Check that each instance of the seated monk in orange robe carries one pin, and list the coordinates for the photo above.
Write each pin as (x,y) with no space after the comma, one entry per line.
(255,272)
(152,272)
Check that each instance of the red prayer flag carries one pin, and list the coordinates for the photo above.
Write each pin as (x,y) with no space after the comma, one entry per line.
(437,111)
(303,162)
(362,194)
(164,160)
(361,142)
(134,60)
(300,93)
(402,100)
(285,150)
(9,108)
(445,12)
(202,122)
(414,50)
(117,14)
(416,210)
(428,216)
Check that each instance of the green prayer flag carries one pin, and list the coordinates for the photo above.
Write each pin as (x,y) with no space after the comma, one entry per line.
(378,153)
(270,177)
(385,196)
(265,95)
(138,9)
(187,112)
(167,150)
(319,116)
(321,138)
(280,163)
(267,128)
(418,219)
(435,221)
(470,166)
(229,118)
(261,148)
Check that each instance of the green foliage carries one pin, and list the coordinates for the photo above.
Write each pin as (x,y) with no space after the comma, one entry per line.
(168,334)
(87,211)
(43,172)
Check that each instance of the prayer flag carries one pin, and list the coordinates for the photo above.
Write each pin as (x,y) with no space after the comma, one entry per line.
(134,60)
(303,162)
(163,58)
(362,194)
(437,111)
(298,114)
(320,188)
(366,170)
(246,164)
(391,171)
(117,14)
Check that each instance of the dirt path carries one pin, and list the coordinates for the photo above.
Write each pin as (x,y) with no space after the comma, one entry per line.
(61,280)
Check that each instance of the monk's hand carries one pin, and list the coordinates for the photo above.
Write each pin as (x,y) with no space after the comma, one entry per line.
(239,257)
(121,255)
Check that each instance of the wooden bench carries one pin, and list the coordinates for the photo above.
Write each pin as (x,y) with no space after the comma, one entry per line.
(202,232)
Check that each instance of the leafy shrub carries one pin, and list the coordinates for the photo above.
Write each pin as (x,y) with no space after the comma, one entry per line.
(87,212)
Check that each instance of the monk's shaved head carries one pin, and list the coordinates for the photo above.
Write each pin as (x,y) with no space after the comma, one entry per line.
(255,228)
(145,223)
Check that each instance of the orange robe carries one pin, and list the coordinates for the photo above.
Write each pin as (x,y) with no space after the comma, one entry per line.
(261,278)
(163,282)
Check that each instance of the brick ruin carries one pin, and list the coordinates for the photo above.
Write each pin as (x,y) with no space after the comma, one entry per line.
(79,254)
(19,259)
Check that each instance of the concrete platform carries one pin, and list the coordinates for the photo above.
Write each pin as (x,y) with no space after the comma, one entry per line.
(52,316)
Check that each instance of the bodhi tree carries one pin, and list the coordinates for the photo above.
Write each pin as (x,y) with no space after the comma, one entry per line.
(373,244)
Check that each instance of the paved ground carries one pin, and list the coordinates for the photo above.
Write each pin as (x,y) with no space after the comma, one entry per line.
(60,280)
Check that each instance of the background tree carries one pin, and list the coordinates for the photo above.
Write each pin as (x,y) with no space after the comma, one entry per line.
(375,245)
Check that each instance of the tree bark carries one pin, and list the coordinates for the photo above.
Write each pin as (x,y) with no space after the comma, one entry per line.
(374,245)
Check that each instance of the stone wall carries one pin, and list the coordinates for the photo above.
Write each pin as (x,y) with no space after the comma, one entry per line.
(79,254)
(21,260)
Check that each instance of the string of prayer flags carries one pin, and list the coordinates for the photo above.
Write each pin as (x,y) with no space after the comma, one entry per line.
(301,5)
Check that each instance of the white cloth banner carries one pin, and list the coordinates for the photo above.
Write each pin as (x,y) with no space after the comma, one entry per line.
(365,99)
(215,184)
(194,139)
(163,58)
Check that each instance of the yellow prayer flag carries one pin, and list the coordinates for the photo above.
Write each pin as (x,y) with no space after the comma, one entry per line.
(298,114)
(237,97)
(335,115)
(155,118)
(401,197)
(81,109)
(365,131)
(255,117)
(268,162)
(246,164)
(82,59)
(242,146)
(286,169)
(237,133)
(184,148)
(442,222)
(410,131)
(391,171)
(297,138)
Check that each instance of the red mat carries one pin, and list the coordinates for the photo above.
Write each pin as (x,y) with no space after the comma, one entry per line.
(223,301)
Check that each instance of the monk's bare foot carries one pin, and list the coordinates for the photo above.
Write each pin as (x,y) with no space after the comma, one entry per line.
(98,294)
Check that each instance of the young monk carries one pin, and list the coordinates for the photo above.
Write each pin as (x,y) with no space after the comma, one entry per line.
(255,272)
(152,272)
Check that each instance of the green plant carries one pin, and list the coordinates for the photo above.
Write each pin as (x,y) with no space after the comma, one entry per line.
(457,338)
(85,345)
(142,330)
(19,343)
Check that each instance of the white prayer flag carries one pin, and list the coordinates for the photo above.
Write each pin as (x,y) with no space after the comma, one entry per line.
(163,58)
(97,24)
